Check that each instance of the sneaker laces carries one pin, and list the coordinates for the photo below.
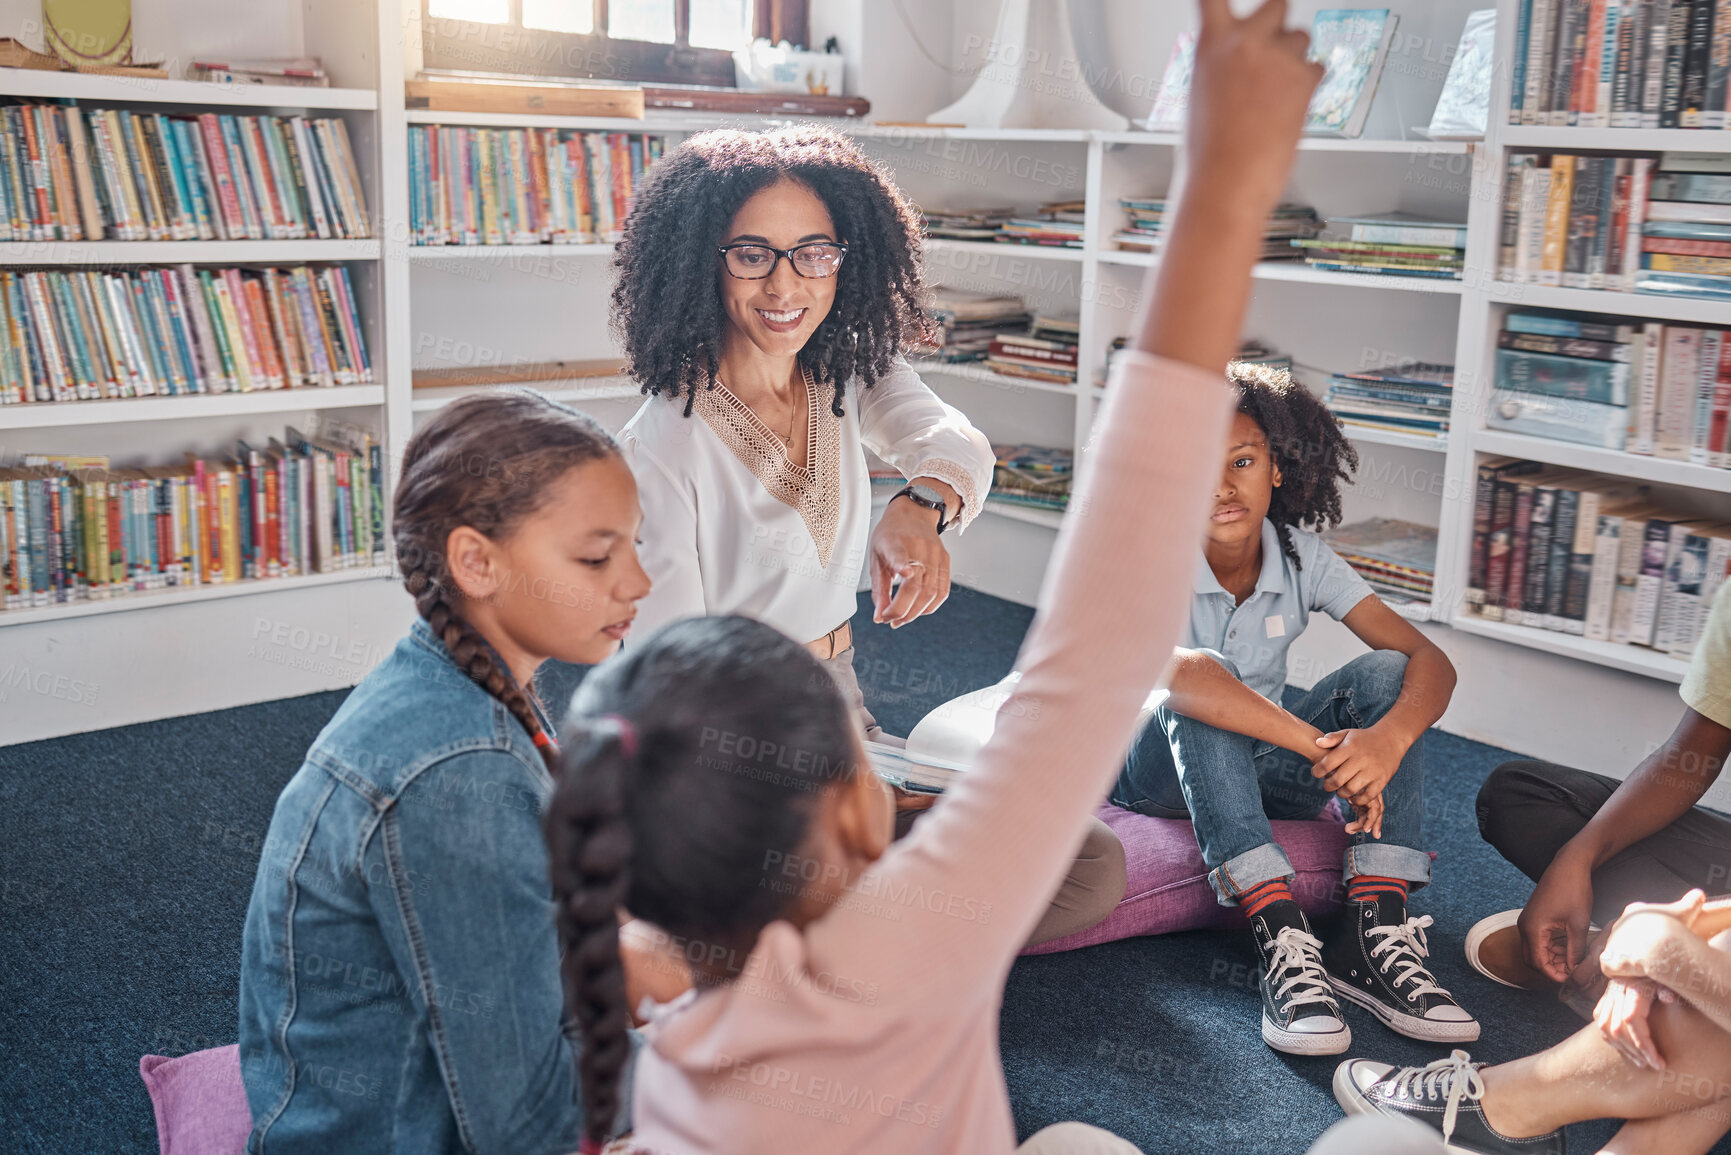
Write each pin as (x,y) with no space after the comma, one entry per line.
(1405,948)
(1457,1077)
(1300,953)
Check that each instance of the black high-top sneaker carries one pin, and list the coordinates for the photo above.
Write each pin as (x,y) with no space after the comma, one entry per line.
(1299,1014)
(1377,960)
(1444,1096)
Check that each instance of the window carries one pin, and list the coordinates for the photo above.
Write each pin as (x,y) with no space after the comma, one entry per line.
(642,41)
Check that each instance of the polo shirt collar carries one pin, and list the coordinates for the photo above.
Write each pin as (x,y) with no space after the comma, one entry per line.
(1272,579)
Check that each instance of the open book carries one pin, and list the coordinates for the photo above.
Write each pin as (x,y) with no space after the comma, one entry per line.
(946,741)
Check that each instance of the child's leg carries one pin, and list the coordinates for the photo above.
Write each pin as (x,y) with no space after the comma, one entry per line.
(1584,1077)
(1356,696)
(1180,766)
(1689,1133)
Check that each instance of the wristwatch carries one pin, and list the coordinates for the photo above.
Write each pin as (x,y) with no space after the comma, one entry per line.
(928,498)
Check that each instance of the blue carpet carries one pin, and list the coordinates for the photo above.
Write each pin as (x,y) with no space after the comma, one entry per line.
(126,858)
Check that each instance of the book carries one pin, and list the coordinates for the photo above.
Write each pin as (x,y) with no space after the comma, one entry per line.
(1604,382)
(1351,44)
(1172,102)
(1463,108)
(1558,419)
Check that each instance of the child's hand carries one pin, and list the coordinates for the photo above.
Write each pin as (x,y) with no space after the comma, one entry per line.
(1248,96)
(1621,1017)
(1366,816)
(1358,762)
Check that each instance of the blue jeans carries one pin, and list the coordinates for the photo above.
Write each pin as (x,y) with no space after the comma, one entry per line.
(1230,785)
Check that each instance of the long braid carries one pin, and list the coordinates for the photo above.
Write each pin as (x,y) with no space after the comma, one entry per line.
(589,863)
(475,657)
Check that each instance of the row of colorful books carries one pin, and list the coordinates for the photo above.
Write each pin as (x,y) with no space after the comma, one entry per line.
(1046,352)
(1592,556)
(87,335)
(968,321)
(1056,223)
(1622,63)
(1397,558)
(75,529)
(1646,387)
(1391,244)
(523,186)
(69,174)
(1618,222)
(1412,398)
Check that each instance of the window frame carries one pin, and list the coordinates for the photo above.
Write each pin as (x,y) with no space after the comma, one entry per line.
(454,45)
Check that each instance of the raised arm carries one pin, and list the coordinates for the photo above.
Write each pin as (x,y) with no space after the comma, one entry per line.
(1115,597)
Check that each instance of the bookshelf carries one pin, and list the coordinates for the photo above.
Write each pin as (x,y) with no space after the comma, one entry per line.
(161,652)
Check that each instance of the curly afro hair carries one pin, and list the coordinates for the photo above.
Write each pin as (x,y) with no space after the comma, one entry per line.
(1309,446)
(667,310)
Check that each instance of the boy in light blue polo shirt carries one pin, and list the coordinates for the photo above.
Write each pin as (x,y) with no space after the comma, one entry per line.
(1222,751)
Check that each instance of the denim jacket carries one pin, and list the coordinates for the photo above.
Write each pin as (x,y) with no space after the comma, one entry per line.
(399,987)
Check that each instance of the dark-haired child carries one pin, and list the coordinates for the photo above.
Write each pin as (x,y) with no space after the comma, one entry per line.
(399,984)
(1222,749)
(849,987)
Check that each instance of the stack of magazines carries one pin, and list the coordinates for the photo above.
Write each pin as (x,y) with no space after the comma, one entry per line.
(1287,225)
(969,321)
(1032,475)
(1397,558)
(1058,223)
(1412,398)
(1141,232)
(965,224)
(1397,244)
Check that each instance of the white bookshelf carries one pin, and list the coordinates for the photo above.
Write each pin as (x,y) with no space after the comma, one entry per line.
(169,651)
(1484,301)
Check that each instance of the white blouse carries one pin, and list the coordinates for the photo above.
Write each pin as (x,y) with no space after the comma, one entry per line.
(732,526)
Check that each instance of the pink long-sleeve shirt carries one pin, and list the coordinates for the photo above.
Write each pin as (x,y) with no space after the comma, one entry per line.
(875,1028)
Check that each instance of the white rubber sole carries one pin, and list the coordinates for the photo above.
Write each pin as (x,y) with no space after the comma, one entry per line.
(1412,1026)
(1483,929)
(1301,1043)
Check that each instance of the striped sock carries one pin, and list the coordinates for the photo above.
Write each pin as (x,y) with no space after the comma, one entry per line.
(1264,893)
(1370,887)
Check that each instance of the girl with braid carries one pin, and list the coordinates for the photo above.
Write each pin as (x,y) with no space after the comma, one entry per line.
(848,985)
(399,987)
(1222,751)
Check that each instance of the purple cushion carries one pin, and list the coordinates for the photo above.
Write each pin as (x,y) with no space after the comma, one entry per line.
(200,1101)
(1168,888)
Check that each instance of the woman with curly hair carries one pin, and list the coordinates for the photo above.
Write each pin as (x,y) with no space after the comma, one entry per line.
(762,278)
(1222,751)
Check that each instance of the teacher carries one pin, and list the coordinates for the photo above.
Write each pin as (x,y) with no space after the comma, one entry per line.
(761,278)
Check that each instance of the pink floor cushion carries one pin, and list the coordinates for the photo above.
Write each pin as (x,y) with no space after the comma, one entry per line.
(200,1101)
(1168,888)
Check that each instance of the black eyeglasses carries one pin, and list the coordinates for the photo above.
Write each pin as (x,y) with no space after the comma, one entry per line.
(751,261)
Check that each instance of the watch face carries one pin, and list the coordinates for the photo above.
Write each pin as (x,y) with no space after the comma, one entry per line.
(928,495)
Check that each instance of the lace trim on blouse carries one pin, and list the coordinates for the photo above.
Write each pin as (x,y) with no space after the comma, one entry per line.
(960,479)
(814,489)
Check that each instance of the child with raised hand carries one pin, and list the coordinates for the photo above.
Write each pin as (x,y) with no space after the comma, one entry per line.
(1222,751)
(399,985)
(714,784)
